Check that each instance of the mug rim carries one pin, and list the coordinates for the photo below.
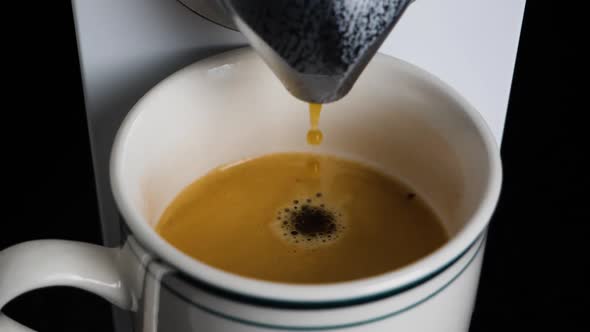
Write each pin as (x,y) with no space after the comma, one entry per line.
(389,282)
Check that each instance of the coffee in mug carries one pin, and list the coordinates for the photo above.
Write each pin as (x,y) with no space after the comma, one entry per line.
(301,218)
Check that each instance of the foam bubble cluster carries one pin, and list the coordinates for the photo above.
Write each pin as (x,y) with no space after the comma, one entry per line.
(308,222)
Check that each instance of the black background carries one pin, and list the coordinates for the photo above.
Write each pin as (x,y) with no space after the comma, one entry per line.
(535,269)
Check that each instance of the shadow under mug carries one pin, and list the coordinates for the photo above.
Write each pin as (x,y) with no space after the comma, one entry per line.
(229,107)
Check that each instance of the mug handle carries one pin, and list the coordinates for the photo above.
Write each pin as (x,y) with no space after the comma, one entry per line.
(44,263)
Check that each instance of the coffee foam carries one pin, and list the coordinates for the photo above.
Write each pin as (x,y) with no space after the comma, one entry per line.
(309,222)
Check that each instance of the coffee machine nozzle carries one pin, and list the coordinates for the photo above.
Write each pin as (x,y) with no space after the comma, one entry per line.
(317,48)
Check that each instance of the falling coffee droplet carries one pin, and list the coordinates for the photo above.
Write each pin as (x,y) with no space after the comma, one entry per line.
(314,167)
(315,137)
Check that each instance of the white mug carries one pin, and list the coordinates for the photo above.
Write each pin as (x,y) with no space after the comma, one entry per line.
(230,107)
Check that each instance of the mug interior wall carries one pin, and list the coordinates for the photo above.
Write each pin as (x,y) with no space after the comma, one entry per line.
(219,112)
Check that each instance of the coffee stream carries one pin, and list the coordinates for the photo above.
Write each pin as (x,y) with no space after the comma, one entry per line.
(314,135)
